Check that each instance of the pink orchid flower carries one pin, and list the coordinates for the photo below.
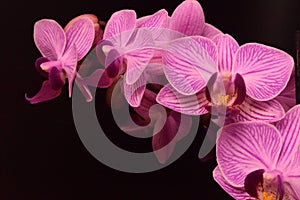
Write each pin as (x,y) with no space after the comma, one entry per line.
(61,50)
(205,74)
(257,160)
(128,49)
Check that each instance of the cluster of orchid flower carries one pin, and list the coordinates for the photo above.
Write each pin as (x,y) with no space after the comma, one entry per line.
(191,68)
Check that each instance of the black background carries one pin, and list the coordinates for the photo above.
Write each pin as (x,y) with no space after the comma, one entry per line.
(42,157)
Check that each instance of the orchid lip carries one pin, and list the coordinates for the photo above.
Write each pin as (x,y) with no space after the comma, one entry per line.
(38,63)
(57,78)
(223,90)
(265,185)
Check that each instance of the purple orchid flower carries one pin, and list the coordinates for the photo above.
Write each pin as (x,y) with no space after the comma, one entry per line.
(128,47)
(244,80)
(257,160)
(61,50)
(166,129)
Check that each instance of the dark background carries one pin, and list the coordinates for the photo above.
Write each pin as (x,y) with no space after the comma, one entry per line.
(42,157)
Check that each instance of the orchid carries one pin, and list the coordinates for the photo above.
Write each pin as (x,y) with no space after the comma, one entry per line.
(221,74)
(128,49)
(61,50)
(257,160)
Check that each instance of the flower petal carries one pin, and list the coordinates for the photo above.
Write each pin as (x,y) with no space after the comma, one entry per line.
(49,38)
(134,92)
(79,81)
(267,111)
(164,140)
(189,63)
(80,33)
(46,93)
(188,18)
(227,46)
(99,78)
(245,147)
(237,193)
(287,97)
(98,31)
(69,61)
(266,70)
(121,21)
(210,31)
(190,105)
(289,127)
(154,23)
(138,54)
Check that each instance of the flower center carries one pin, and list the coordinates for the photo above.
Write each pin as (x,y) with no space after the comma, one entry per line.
(268,185)
(225,90)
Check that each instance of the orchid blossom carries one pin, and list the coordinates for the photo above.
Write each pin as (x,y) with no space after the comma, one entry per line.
(257,160)
(205,74)
(128,49)
(61,50)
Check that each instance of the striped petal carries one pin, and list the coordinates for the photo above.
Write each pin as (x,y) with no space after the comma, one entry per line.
(49,38)
(138,54)
(188,18)
(266,70)
(267,111)
(227,46)
(69,61)
(189,63)
(80,33)
(120,22)
(237,193)
(134,92)
(154,23)
(289,127)
(210,31)
(186,104)
(83,87)
(245,147)
(287,97)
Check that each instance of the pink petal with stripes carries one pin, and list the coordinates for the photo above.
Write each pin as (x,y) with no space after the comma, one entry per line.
(289,127)
(69,61)
(210,31)
(287,97)
(267,111)
(227,47)
(138,54)
(245,147)
(155,23)
(49,38)
(188,18)
(237,193)
(266,70)
(134,92)
(120,22)
(80,33)
(190,105)
(189,63)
